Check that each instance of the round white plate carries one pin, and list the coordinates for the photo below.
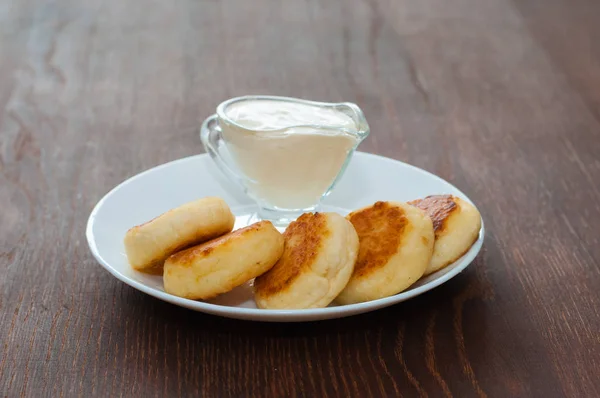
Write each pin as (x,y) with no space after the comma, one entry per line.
(369,178)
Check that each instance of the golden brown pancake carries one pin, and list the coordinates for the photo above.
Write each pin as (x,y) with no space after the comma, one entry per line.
(218,266)
(149,244)
(319,256)
(396,243)
(456,224)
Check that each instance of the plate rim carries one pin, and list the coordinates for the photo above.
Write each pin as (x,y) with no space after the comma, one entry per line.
(270,314)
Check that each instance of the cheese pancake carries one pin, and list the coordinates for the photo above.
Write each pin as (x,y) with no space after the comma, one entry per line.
(319,256)
(148,245)
(396,243)
(218,266)
(456,223)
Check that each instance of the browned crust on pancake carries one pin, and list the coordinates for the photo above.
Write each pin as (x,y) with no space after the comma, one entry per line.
(380,228)
(303,240)
(187,257)
(438,208)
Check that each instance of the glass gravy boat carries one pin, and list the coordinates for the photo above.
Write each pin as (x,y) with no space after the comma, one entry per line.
(287,170)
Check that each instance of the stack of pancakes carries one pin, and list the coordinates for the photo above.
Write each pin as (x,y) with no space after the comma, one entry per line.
(374,252)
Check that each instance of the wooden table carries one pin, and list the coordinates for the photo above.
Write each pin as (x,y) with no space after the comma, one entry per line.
(500,97)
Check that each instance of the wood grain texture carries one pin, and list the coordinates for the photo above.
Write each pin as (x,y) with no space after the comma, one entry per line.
(500,97)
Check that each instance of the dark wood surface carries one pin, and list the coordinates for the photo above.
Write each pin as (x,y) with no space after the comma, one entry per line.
(500,97)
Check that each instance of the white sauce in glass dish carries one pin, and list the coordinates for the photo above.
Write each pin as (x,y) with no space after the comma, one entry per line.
(291,152)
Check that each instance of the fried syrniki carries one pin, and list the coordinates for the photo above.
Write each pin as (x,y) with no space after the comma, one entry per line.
(319,256)
(149,244)
(218,266)
(456,223)
(396,244)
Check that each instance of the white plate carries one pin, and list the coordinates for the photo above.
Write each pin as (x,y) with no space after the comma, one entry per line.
(369,178)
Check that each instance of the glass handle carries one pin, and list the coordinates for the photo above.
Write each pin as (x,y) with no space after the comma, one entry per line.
(357,116)
(212,139)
